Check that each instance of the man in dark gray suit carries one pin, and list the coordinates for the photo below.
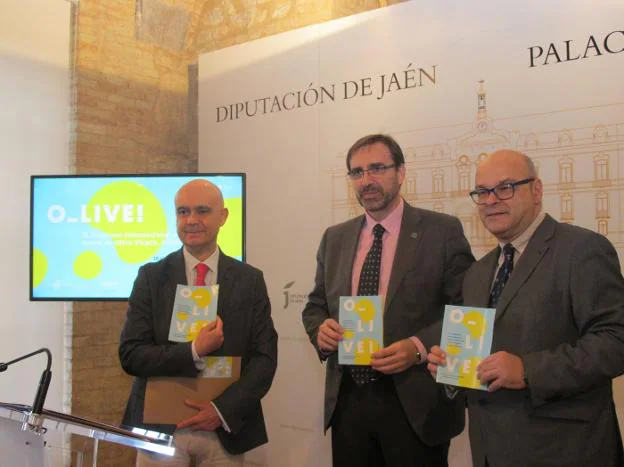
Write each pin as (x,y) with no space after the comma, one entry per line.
(232,423)
(558,333)
(396,416)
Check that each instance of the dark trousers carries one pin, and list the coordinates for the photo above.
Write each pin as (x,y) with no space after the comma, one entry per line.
(370,429)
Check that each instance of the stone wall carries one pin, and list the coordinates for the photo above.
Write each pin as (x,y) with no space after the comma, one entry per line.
(135,111)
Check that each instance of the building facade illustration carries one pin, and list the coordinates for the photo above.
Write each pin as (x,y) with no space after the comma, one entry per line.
(578,154)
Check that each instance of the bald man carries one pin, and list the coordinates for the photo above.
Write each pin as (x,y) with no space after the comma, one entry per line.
(558,334)
(233,423)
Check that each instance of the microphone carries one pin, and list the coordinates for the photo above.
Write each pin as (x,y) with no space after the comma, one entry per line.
(35,419)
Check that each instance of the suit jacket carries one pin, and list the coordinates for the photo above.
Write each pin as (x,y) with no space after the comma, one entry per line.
(431,258)
(248,330)
(562,312)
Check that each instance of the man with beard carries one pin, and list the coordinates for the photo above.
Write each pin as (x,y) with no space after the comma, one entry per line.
(232,423)
(391,413)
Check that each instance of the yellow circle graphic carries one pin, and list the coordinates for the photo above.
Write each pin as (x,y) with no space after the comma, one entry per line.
(39,266)
(476,324)
(133,218)
(231,234)
(88,265)
(201,297)
(365,308)
(453,349)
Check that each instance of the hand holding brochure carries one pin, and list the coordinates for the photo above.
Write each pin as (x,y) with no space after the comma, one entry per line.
(194,307)
(362,318)
(467,339)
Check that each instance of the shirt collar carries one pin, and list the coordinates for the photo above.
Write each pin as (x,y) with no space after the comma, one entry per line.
(190,261)
(522,241)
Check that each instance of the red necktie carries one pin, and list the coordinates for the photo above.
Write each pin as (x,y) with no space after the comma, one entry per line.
(202,270)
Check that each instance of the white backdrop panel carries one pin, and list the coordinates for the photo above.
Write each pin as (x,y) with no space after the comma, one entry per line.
(34,139)
(471,90)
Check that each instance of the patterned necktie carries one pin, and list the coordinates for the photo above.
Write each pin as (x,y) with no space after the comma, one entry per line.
(503,275)
(202,270)
(369,285)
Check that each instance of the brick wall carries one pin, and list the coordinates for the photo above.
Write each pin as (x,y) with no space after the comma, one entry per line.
(132,114)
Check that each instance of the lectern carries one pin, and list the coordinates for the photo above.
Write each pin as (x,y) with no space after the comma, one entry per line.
(21,447)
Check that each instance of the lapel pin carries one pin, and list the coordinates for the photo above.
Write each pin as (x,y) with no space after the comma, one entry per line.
(414,235)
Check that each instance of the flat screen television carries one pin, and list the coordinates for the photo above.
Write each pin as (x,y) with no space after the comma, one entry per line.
(89,234)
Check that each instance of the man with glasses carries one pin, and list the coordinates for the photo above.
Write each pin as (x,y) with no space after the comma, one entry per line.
(391,413)
(558,334)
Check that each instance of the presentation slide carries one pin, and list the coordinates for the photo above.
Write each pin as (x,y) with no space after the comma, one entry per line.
(90,234)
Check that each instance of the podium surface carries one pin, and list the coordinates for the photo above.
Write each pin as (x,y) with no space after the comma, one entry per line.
(30,445)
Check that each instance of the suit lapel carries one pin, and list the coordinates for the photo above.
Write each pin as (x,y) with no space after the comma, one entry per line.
(406,250)
(172,275)
(484,273)
(533,254)
(349,242)
(225,282)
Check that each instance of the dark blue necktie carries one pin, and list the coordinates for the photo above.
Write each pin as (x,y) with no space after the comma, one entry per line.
(369,285)
(503,275)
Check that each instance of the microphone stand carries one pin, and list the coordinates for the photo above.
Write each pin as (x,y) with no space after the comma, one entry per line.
(35,419)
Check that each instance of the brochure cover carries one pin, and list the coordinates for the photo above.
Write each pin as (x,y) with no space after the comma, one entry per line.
(165,396)
(217,367)
(362,318)
(194,307)
(467,339)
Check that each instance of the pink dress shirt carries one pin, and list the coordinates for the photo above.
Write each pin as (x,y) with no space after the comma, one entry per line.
(390,239)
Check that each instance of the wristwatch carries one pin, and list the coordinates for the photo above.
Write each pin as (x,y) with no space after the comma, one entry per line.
(419,357)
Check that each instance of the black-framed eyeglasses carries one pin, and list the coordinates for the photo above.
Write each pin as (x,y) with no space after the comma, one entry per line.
(502,191)
(374,170)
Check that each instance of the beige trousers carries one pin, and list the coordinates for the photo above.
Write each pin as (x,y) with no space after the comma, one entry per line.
(192,448)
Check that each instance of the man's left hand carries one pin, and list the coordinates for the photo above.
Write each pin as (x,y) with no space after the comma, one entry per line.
(501,370)
(207,418)
(396,357)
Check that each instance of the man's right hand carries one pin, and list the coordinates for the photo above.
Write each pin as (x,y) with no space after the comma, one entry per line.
(329,334)
(210,338)
(436,357)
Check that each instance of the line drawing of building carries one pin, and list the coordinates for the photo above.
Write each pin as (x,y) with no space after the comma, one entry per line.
(578,154)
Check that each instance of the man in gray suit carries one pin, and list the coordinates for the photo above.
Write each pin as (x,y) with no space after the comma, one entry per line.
(558,333)
(232,423)
(394,415)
